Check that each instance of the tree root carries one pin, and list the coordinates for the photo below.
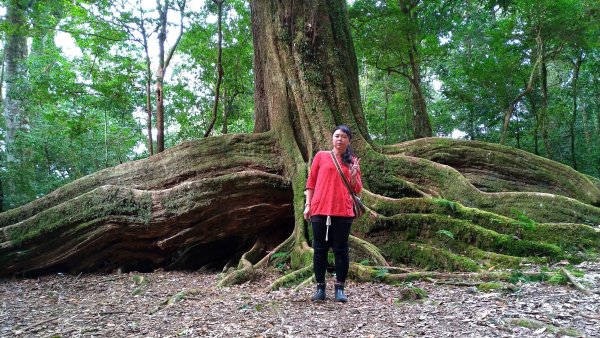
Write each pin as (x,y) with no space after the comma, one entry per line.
(245,269)
(176,298)
(367,249)
(292,277)
(281,247)
(536,324)
(303,284)
(362,273)
(18,332)
(575,283)
(295,245)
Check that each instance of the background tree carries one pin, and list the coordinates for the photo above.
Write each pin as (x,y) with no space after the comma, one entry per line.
(16,87)
(163,64)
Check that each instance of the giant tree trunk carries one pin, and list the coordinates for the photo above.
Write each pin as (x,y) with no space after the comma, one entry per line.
(243,194)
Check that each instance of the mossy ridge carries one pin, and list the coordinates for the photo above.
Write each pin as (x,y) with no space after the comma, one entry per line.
(427,257)
(120,204)
(445,255)
(575,237)
(542,208)
(247,150)
(572,237)
(432,179)
(424,227)
(192,196)
(509,168)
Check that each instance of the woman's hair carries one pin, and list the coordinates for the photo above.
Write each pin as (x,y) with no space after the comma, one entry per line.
(349,154)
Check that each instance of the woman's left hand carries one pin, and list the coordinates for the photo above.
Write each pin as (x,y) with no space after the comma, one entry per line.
(355,168)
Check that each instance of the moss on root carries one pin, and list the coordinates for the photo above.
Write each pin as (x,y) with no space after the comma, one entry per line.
(122,204)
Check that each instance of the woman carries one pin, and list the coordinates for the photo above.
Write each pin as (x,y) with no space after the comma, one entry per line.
(329,208)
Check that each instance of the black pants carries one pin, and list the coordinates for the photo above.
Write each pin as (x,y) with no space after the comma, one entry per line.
(339,231)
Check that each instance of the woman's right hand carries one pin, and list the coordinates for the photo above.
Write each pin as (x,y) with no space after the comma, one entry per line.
(307,212)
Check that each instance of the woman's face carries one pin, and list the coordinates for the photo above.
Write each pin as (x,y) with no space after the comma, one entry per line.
(340,140)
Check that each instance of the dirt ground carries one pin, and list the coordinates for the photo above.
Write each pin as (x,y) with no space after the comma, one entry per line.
(172,304)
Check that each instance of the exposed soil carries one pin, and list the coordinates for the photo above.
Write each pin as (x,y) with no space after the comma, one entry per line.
(152,305)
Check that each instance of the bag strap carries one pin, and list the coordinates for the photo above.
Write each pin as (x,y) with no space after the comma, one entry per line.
(337,165)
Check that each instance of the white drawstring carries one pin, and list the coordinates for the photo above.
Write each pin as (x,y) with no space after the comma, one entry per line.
(328,223)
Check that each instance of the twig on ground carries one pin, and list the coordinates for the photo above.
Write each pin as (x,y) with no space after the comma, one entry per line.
(106,313)
(575,283)
(35,324)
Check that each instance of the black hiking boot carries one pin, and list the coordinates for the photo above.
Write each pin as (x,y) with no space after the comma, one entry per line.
(320,294)
(339,293)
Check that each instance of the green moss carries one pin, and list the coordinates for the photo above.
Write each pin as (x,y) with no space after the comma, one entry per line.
(427,257)
(489,287)
(535,324)
(107,201)
(410,293)
(423,227)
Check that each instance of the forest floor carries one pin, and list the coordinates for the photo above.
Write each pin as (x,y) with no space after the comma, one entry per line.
(154,305)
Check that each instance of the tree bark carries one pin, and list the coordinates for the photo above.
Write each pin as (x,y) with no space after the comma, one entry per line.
(14,73)
(15,68)
(528,89)
(163,64)
(544,111)
(576,68)
(421,124)
(148,80)
(209,129)
(160,74)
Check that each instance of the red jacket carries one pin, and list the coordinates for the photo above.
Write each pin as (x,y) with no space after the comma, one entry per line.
(330,195)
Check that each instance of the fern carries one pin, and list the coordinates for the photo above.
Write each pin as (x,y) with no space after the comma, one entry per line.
(523,221)
(446,233)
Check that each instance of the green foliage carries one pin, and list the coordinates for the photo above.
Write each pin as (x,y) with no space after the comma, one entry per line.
(517,277)
(140,283)
(489,287)
(365,262)
(380,273)
(453,206)
(523,221)
(477,59)
(445,233)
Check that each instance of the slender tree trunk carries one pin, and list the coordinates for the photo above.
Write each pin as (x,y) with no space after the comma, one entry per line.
(576,68)
(544,111)
(471,123)
(211,125)
(149,115)
(535,133)
(539,62)
(105,140)
(518,132)
(511,107)
(421,124)
(142,27)
(163,10)
(163,64)
(226,110)
(2,78)
(386,134)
